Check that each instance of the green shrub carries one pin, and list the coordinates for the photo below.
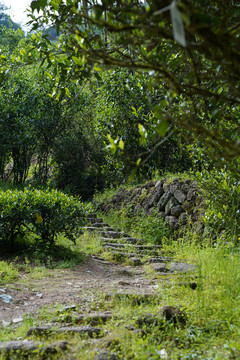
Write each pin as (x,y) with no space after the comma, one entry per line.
(42,213)
(222,198)
(152,228)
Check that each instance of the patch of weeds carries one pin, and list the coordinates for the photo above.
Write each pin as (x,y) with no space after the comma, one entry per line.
(151,227)
(89,243)
(40,272)
(8,273)
(16,331)
(63,254)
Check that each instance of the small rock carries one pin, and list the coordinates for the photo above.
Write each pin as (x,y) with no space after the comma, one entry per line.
(183,219)
(5,324)
(17,320)
(173,314)
(192,194)
(105,355)
(163,200)
(6,298)
(176,210)
(39,295)
(130,327)
(163,354)
(170,204)
(173,187)
(180,196)
(147,319)
(165,187)
(171,220)
(68,308)
(192,285)
(124,283)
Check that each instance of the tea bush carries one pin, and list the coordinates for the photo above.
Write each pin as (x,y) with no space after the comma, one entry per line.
(42,213)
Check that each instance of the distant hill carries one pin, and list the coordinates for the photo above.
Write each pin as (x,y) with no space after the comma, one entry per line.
(5,19)
(51,32)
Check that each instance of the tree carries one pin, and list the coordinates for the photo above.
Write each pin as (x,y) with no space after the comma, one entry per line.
(200,76)
(30,119)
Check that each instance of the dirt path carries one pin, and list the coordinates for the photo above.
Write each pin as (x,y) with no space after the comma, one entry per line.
(79,286)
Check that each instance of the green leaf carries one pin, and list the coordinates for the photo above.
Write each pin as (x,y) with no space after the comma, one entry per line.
(112,145)
(97,68)
(77,60)
(162,127)
(133,174)
(38,5)
(55,4)
(121,144)
(67,92)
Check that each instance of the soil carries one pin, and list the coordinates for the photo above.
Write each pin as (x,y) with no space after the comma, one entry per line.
(78,286)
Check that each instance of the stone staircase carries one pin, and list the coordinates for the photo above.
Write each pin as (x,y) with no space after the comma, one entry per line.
(122,245)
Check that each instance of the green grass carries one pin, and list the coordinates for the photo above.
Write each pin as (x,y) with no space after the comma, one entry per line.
(8,273)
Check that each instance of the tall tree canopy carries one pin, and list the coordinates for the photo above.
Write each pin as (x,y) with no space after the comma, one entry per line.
(190,49)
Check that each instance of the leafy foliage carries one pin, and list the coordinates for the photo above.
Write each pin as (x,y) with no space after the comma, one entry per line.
(222,192)
(199,79)
(43,213)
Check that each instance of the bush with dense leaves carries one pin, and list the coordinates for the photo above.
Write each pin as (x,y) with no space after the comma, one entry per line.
(42,213)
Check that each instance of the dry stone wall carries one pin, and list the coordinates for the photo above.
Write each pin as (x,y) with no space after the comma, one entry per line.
(177,202)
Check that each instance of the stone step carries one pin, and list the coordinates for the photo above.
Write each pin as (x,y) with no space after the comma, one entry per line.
(114,234)
(159,259)
(127,254)
(92,319)
(91,215)
(82,330)
(127,240)
(155,259)
(138,247)
(25,347)
(100,225)
(97,220)
(97,229)
(121,244)
(129,249)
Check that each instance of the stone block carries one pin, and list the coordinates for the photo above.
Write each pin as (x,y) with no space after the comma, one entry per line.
(176,211)
(163,200)
(180,196)
(170,204)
